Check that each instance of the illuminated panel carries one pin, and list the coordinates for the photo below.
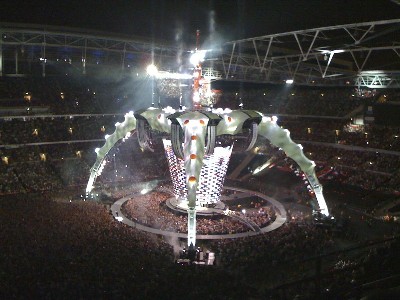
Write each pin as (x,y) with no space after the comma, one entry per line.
(177,171)
(212,174)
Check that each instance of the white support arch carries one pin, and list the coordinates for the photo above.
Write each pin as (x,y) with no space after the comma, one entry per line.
(281,138)
(121,130)
(194,125)
(157,119)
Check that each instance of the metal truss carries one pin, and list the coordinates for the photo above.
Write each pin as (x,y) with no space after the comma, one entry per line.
(55,43)
(335,55)
(378,79)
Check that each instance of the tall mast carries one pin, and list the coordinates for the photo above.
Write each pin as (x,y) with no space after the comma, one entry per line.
(197,75)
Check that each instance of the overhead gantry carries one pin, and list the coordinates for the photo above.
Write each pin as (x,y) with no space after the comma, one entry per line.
(343,55)
(193,136)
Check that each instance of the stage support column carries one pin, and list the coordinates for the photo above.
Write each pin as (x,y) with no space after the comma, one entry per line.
(43,68)
(191,226)
(84,66)
(1,53)
(123,58)
(16,61)
(44,56)
(84,59)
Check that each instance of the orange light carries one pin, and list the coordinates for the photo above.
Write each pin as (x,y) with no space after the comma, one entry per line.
(202,122)
(186,121)
(192,179)
(193,156)
(194,137)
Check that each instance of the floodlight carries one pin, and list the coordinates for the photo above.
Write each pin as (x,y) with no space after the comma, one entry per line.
(152,70)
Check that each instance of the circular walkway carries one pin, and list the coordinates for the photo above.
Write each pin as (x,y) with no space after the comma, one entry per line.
(278,222)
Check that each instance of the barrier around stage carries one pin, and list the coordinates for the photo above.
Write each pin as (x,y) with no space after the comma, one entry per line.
(280,219)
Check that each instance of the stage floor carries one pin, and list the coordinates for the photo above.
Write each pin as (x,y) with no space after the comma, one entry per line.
(280,211)
(181,206)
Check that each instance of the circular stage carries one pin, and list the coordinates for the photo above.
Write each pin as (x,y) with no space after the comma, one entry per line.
(181,206)
(228,207)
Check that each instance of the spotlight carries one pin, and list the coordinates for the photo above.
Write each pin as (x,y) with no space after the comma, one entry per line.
(289,81)
(144,191)
(197,57)
(152,70)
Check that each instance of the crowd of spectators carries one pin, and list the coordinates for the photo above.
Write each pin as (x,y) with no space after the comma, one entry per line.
(9,182)
(342,132)
(67,164)
(64,165)
(346,276)
(293,100)
(58,167)
(78,250)
(51,129)
(61,95)
(95,251)
(150,210)
(65,95)
(368,170)
(280,244)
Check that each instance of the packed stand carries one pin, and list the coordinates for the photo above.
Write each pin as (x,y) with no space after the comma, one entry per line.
(150,210)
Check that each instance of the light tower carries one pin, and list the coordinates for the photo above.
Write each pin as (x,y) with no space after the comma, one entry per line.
(197,165)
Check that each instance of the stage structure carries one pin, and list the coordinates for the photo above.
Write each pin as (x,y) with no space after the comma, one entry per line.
(196,156)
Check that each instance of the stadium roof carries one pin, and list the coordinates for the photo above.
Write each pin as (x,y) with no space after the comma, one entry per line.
(177,20)
(255,41)
(363,54)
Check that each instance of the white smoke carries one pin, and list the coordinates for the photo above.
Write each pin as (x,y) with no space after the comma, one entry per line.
(175,243)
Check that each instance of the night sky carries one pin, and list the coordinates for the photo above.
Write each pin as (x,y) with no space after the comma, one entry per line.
(171,19)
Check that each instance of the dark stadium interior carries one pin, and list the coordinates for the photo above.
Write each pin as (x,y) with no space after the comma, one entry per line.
(64,84)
